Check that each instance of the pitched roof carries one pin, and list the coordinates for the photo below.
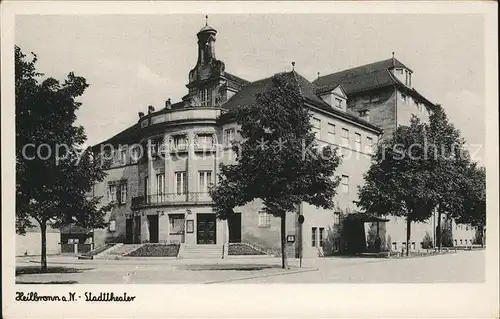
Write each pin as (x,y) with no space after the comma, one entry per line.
(235,78)
(365,77)
(247,95)
(126,136)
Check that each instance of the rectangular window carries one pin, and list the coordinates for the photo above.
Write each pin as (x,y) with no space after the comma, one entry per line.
(413,246)
(394,246)
(176,224)
(406,77)
(205,180)
(205,97)
(205,141)
(369,144)
(336,218)
(180,142)
(345,184)
(316,123)
(153,147)
(345,137)
(112,225)
(357,141)
(313,236)
(134,156)
(180,183)
(331,132)
(160,184)
(264,219)
(228,136)
(338,103)
(123,156)
(321,237)
(123,193)
(111,193)
(146,186)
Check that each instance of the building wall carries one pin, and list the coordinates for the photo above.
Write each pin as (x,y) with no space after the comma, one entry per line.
(407,106)
(119,211)
(31,242)
(381,105)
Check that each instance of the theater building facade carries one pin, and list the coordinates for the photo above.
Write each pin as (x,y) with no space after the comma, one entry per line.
(164,164)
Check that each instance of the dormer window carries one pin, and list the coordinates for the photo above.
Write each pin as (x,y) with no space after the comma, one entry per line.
(338,103)
(403,75)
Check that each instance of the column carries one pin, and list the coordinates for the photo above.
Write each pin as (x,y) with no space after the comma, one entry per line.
(192,171)
(168,175)
(151,174)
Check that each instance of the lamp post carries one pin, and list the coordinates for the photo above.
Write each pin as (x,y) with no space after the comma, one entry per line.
(301,221)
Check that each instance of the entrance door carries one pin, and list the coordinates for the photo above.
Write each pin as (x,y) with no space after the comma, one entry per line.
(137,229)
(153,228)
(129,235)
(205,228)
(234,223)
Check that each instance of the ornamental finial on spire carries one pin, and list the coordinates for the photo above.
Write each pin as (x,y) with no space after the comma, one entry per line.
(206,20)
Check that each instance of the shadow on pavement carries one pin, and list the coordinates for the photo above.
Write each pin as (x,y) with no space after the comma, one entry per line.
(237,267)
(47,283)
(30,270)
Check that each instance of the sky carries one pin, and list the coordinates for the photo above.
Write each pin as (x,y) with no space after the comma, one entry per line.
(132,61)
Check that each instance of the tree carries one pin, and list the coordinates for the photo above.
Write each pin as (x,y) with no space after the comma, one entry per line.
(473,192)
(54,172)
(396,182)
(280,162)
(447,161)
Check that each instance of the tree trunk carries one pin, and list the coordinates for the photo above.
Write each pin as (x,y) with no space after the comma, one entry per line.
(284,262)
(43,261)
(439,237)
(408,234)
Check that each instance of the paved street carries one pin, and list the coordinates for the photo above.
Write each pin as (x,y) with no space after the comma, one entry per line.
(464,266)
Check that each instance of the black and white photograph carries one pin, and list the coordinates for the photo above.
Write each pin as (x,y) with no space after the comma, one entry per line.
(219,146)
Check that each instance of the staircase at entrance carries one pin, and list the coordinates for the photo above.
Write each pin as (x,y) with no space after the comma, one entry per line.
(201,252)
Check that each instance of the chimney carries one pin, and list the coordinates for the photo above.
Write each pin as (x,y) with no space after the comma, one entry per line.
(364,115)
(151,109)
(141,115)
(168,104)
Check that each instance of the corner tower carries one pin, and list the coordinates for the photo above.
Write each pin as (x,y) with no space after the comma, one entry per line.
(206,78)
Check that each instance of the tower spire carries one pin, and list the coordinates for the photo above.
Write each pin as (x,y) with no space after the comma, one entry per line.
(206,20)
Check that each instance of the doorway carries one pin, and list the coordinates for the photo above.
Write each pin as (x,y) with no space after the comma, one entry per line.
(206,230)
(153,228)
(234,223)
(137,229)
(129,235)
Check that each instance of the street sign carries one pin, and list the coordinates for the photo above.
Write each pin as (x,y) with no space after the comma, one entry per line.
(301,219)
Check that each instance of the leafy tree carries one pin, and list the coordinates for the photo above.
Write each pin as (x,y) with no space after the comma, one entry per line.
(396,182)
(54,172)
(473,192)
(447,161)
(276,163)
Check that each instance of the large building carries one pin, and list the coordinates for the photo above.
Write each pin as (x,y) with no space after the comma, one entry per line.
(163,164)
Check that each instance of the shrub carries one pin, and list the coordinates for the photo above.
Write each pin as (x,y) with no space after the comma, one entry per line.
(427,241)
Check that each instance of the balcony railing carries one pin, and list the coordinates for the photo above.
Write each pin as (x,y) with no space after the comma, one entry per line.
(170,199)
